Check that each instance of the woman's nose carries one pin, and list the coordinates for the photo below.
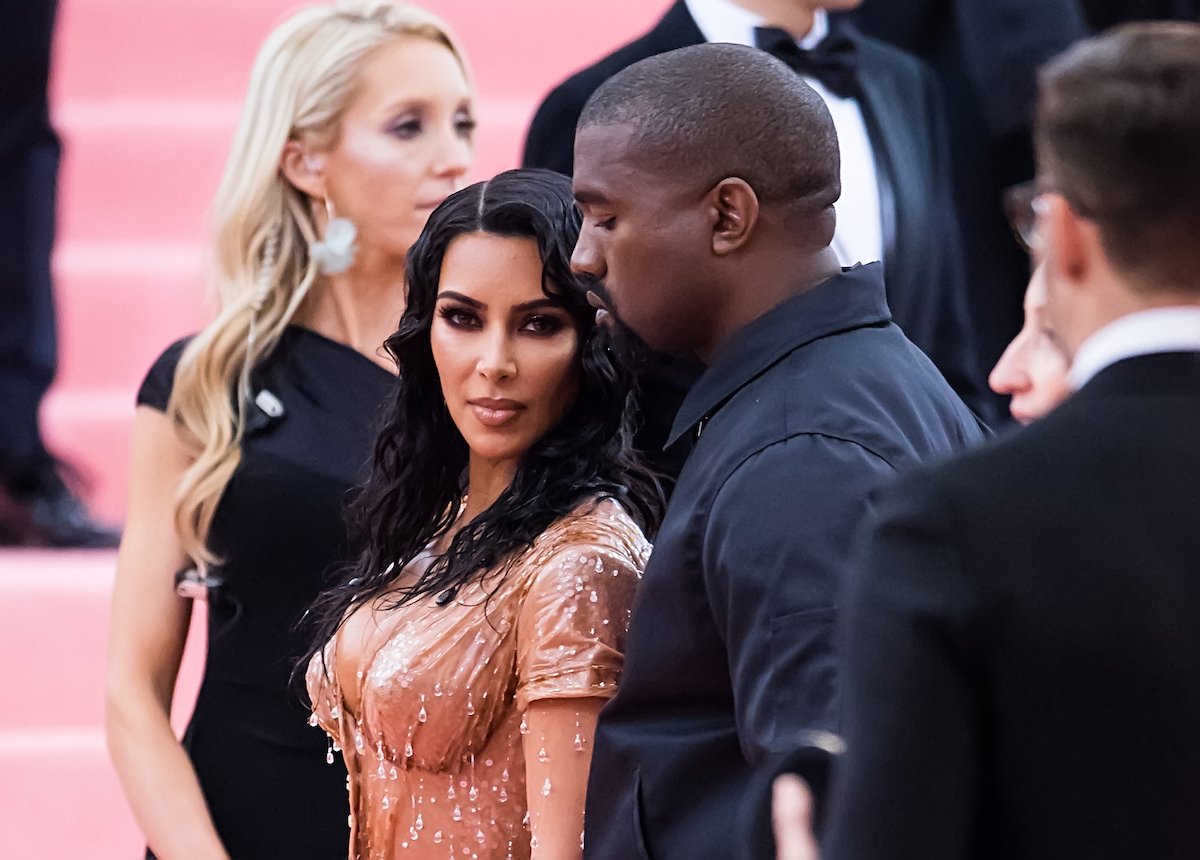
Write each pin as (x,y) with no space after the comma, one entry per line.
(456,157)
(498,360)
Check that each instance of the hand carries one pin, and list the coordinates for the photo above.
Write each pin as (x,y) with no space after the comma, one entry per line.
(791,817)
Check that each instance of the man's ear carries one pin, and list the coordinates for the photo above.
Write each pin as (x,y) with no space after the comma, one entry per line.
(1070,242)
(304,168)
(735,214)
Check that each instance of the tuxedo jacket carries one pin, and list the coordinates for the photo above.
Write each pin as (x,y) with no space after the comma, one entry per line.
(729,656)
(902,111)
(1021,641)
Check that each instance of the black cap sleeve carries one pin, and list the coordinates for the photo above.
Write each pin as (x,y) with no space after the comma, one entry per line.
(155,390)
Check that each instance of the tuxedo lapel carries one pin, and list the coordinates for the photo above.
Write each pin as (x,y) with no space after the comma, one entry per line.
(878,99)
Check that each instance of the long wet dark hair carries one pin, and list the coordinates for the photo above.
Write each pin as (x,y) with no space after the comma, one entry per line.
(416,487)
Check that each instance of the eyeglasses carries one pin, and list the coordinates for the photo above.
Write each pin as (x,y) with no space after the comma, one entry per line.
(1022,205)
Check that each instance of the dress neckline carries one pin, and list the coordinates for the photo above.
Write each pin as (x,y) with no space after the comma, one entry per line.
(339,346)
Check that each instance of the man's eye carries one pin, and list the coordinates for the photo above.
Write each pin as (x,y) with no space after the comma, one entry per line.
(606,223)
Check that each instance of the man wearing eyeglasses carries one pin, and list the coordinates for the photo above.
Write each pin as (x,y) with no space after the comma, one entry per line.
(1021,635)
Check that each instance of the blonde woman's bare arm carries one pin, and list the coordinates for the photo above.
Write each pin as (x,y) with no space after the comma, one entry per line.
(148,628)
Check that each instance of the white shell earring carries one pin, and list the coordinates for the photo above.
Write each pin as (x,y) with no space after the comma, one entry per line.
(335,253)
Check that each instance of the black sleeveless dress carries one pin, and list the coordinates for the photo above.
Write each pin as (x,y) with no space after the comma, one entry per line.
(279,529)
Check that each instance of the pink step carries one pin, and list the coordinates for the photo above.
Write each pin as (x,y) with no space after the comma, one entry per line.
(149,49)
(55,605)
(68,804)
(62,798)
(148,172)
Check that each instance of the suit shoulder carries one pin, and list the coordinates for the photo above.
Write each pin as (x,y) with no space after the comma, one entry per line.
(572,94)
(551,134)
(1019,464)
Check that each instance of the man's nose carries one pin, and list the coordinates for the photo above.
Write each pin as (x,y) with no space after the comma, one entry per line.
(586,258)
(1008,376)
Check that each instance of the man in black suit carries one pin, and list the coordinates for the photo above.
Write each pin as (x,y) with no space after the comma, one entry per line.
(707,178)
(896,203)
(36,506)
(1022,637)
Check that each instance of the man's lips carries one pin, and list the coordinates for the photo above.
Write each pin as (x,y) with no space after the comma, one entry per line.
(495,411)
(603,314)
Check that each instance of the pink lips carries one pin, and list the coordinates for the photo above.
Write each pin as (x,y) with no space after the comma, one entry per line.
(495,412)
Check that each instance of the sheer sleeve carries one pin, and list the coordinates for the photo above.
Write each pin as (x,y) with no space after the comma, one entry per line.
(571,629)
(155,390)
(570,649)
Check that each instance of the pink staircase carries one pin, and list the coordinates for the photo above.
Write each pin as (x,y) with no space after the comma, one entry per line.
(146,96)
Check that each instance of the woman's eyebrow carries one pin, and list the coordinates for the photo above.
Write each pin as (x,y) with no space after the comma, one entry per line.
(535,304)
(459,297)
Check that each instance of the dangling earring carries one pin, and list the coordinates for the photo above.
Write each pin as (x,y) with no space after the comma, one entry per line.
(335,253)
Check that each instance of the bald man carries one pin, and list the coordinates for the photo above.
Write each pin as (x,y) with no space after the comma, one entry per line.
(707,178)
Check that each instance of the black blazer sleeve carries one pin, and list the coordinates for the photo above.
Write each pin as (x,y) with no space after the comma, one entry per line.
(906,787)
(772,599)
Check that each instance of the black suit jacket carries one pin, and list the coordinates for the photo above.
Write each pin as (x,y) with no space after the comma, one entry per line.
(729,657)
(902,111)
(1022,641)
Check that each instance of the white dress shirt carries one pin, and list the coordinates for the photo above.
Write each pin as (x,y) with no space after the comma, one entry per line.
(859,234)
(1170,329)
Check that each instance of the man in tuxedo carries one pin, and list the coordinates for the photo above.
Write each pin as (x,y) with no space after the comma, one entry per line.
(1022,635)
(707,178)
(896,203)
(36,506)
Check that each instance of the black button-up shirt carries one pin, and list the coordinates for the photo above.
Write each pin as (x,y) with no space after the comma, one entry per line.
(729,657)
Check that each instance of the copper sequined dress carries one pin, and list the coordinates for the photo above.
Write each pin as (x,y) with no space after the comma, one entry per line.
(435,755)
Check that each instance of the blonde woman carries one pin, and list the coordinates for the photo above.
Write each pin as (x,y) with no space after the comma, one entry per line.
(249,436)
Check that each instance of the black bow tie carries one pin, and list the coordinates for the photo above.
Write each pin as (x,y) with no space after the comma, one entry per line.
(833,62)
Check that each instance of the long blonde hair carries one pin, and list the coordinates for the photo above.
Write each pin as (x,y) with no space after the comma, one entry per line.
(303,79)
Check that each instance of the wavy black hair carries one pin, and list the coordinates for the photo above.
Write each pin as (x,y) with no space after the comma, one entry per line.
(416,487)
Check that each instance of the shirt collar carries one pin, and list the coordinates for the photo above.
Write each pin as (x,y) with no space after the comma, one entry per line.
(725,21)
(852,299)
(1171,329)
